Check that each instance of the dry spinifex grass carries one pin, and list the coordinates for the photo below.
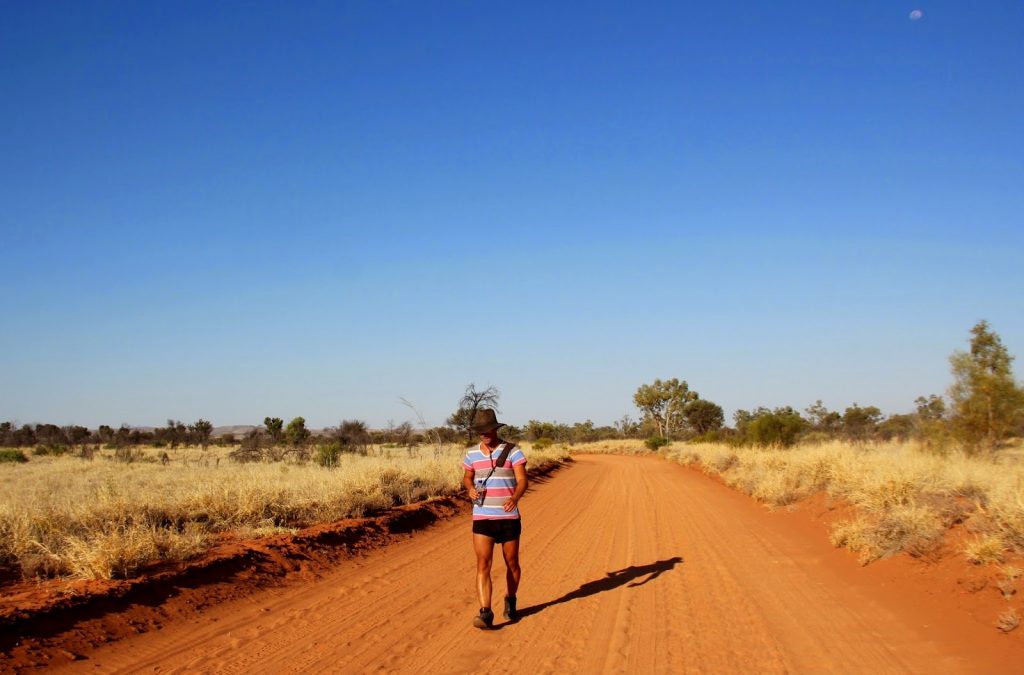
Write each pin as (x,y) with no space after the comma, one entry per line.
(905,498)
(100,519)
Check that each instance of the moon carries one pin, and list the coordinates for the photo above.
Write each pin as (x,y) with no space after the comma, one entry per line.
(916,15)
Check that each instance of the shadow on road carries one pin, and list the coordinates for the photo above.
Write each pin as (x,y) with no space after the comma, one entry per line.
(610,581)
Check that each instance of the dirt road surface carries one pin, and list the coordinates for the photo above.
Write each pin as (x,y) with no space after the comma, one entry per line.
(630,565)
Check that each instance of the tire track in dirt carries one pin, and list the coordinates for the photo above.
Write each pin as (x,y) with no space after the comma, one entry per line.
(630,565)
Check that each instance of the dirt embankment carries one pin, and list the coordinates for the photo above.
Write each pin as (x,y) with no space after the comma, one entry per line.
(630,564)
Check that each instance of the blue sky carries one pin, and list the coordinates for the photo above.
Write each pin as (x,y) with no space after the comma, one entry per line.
(249,209)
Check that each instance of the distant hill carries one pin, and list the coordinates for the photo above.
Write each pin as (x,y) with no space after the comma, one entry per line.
(240,430)
(236,429)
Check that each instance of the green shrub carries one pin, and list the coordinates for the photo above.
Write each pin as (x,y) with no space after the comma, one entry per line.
(328,455)
(776,428)
(12,455)
(655,442)
(543,443)
(56,450)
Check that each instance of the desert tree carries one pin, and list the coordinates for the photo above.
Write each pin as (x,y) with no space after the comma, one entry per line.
(250,449)
(931,423)
(123,436)
(822,419)
(201,430)
(859,423)
(104,434)
(122,443)
(626,427)
(6,434)
(275,429)
(930,408)
(703,416)
(174,434)
(535,430)
(140,437)
(896,426)
(387,434)
(986,400)
(472,400)
(743,418)
(353,435)
(297,434)
(582,432)
(50,435)
(778,427)
(664,403)
(404,435)
(24,436)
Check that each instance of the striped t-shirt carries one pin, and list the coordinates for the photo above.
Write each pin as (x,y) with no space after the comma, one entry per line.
(500,486)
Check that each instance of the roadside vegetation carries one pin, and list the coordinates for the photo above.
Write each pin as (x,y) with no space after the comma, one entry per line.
(905,497)
(97,503)
(60,516)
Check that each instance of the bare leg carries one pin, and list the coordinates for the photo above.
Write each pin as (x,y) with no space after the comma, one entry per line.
(510,551)
(484,547)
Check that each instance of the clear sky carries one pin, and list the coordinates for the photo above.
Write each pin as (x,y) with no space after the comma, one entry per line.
(240,209)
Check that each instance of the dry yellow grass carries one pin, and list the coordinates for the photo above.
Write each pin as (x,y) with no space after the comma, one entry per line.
(904,527)
(905,497)
(985,549)
(64,516)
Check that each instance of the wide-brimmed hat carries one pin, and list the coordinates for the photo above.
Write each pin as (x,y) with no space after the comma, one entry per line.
(485,420)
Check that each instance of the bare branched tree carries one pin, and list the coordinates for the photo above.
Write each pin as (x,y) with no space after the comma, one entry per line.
(353,435)
(471,401)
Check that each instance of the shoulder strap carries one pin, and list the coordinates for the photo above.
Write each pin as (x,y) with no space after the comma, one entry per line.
(505,453)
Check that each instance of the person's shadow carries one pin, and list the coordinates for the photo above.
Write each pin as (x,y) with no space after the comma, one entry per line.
(611,580)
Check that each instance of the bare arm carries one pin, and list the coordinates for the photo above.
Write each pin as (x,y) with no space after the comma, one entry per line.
(467,481)
(521,484)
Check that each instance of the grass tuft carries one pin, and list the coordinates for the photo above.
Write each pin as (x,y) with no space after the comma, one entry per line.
(904,528)
(985,549)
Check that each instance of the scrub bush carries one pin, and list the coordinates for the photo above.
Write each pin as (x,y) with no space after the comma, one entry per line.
(655,442)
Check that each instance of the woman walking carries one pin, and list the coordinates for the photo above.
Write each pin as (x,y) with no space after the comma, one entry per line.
(495,477)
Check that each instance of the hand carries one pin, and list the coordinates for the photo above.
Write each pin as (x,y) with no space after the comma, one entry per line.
(473,494)
(510,504)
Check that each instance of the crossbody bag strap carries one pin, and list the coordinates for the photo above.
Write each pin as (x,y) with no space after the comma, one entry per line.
(501,460)
(505,453)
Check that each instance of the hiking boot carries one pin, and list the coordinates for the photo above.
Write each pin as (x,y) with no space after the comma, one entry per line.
(510,608)
(485,619)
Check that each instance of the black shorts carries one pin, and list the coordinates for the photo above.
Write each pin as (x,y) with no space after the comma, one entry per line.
(499,529)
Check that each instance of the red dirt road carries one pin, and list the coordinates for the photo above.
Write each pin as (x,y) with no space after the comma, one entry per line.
(630,565)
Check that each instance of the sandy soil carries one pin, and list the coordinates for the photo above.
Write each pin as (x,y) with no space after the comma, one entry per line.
(630,565)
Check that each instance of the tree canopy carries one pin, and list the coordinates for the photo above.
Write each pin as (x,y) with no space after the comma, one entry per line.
(986,400)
